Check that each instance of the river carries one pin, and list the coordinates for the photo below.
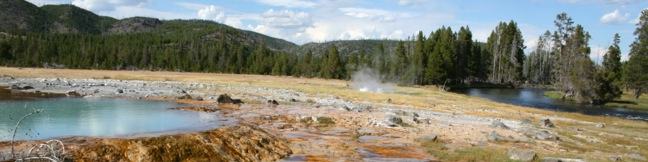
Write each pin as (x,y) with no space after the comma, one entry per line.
(535,98)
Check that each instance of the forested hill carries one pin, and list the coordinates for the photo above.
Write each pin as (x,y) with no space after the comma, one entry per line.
(20,17)
(347,47)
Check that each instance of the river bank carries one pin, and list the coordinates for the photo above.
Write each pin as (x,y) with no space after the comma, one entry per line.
(627,100)
(326,120)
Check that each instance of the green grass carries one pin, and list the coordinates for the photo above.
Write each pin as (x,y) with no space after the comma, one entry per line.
(553,94)
(471,154)
(626,100)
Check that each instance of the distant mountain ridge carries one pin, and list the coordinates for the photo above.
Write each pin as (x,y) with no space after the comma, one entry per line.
(20,16)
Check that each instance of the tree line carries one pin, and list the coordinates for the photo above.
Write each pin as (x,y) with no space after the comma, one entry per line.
(442,57)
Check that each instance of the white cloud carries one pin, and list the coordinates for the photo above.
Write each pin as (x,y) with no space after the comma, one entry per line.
(46,2)
(213,13)
(131,11)
(612,2)
(106,5)
(373,14)
(286,19)
(192,6)
(289,3)
(410,2)
(286,24)
(614,17)
(622,2)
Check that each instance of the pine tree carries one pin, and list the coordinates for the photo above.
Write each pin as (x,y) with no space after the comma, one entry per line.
(476,63)
(5,52)
(419,59)
(608,77)
(612,61)
(332,65)
(463,55)
(399,66)
(440,67)
(581,74)
(306,65)
(506,47)
(636,71)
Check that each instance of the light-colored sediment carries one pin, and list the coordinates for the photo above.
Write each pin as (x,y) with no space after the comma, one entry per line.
(324,120)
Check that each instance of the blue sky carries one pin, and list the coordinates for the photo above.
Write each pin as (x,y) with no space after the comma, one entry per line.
(303,21)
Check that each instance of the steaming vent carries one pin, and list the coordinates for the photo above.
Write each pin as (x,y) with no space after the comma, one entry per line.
(369,80)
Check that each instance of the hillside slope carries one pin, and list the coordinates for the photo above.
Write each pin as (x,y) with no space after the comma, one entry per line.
(20,16)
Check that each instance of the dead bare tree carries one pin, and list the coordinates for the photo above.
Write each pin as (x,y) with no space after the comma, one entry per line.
(15,130)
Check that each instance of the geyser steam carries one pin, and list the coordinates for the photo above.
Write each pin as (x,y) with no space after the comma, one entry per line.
(369,80)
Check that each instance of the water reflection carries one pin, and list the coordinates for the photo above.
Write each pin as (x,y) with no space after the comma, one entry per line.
(536,98)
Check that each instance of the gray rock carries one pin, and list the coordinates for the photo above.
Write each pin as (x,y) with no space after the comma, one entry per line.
(120,91)
(498,124)
(273,102)
(184,97)
(394,121)
(73,93)
(558,159)
(545,135)
(406,113)
(546,123)
(226,99)
(600,125)
(17,87)
(521,154)
(421,121)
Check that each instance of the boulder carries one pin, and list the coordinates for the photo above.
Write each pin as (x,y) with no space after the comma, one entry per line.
(421,121)
(73,93)
(545,135)
(226,99)
(600,125)
(522,154)
(17,87)
(120,91)
(546,123)
(185,97)
(394,121)
(273,102)
(406,113)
